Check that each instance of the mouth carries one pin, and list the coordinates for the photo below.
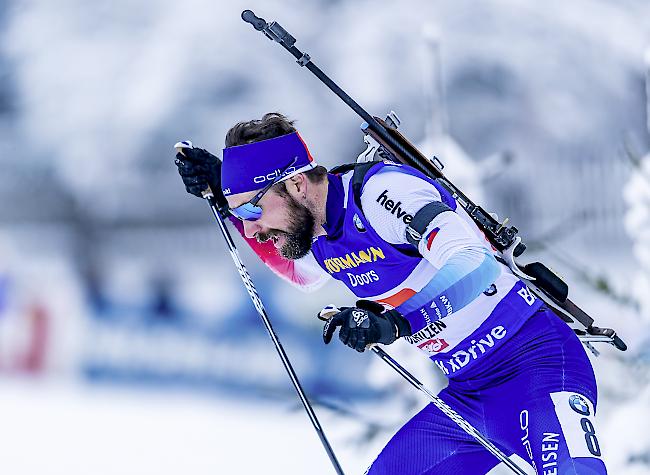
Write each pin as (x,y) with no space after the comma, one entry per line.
(278,241)
(275,238)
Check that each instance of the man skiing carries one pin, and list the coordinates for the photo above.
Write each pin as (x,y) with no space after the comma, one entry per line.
(424,272)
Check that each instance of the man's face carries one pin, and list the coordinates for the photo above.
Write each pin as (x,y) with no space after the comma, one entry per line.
(285,221)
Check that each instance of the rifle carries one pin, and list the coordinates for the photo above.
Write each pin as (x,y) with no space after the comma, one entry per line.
(383,138)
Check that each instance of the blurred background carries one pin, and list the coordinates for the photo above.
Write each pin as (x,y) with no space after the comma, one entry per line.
(127,341)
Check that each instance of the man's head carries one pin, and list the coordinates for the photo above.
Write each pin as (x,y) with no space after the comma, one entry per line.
(267,152)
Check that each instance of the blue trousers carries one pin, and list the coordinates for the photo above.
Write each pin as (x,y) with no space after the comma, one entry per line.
(534,397)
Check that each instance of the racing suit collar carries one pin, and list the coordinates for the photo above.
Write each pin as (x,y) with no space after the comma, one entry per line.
(334,206)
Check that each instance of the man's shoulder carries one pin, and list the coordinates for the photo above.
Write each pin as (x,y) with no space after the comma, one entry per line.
(394,182)
(391,197)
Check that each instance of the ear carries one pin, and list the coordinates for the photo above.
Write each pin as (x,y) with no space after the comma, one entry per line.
(297,185)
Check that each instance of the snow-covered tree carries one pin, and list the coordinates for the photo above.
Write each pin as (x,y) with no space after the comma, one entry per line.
(637,218)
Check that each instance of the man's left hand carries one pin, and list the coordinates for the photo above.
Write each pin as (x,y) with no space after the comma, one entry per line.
(365,324)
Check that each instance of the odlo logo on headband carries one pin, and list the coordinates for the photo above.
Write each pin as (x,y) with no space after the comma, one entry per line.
(273,175)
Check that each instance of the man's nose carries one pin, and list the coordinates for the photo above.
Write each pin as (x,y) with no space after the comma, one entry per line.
(251,228)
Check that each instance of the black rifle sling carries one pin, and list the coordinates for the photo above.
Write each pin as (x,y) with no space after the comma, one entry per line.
(358,177)
(421,219)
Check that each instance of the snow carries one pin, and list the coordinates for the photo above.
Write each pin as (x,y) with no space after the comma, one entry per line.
(67,429)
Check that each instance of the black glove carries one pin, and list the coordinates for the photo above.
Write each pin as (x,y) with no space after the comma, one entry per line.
(199,169)
(366,323)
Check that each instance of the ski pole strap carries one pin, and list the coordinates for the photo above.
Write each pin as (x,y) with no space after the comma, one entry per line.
(421,220)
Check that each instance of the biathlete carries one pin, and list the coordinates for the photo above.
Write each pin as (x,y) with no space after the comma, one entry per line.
(422,271)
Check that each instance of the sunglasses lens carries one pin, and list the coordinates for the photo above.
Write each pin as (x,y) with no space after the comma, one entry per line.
(247,212)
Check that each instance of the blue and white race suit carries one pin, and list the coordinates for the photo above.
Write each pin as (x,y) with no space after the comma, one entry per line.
(516,371)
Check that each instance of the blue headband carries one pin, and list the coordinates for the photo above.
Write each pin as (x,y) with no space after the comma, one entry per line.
(251,166)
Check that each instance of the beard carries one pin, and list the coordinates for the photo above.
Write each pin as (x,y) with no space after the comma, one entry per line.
(299,233)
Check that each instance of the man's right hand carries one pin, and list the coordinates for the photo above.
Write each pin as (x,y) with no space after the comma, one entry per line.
(199,170)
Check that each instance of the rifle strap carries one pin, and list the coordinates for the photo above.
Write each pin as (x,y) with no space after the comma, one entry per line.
(418,225)
(358,179)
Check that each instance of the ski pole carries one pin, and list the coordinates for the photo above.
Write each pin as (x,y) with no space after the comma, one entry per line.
(331,310)
(257,302)
(447,410)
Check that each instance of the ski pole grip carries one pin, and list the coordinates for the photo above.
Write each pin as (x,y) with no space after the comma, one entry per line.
(249,17)
(180,146)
